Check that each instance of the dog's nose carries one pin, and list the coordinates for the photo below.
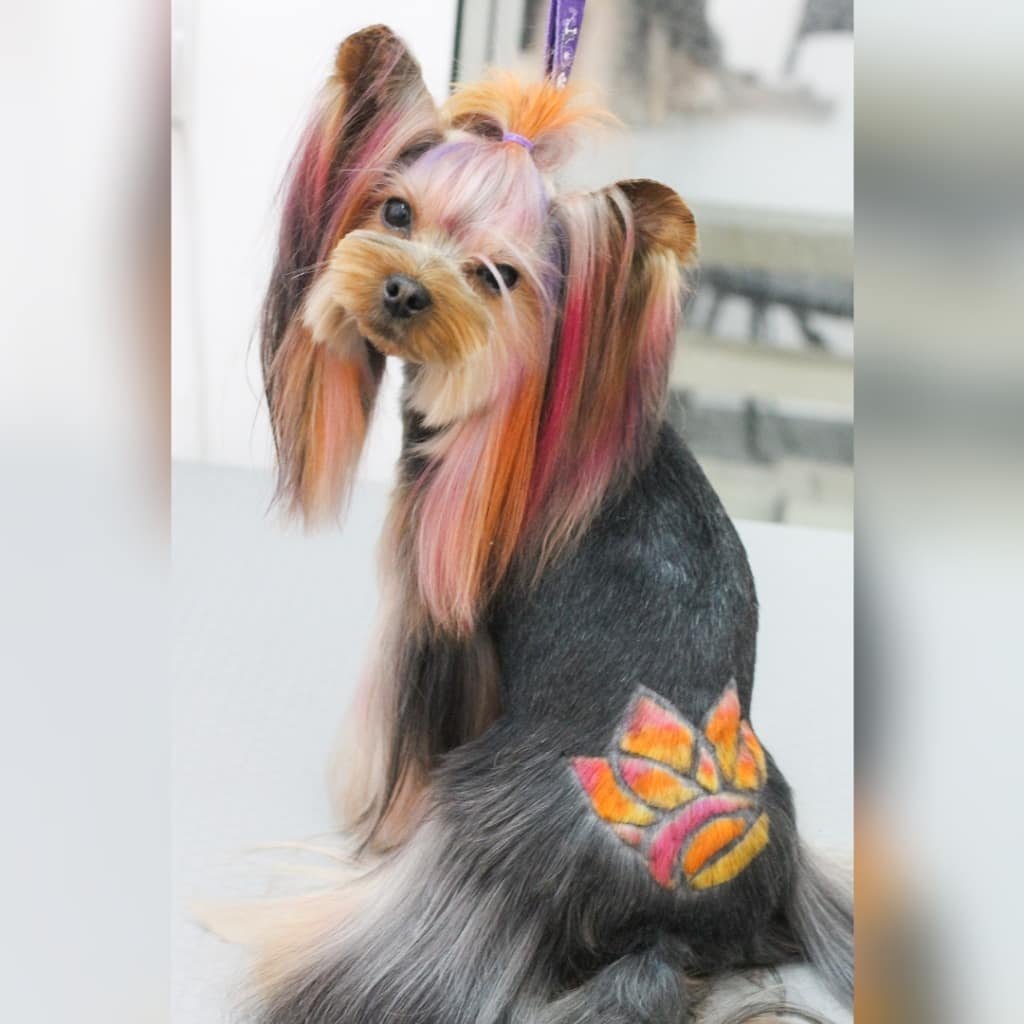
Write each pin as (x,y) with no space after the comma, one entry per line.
(404,297)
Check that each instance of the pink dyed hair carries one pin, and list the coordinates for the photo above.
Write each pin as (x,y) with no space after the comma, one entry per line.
(374,110)
(584,373)
(514,486)
(624,250)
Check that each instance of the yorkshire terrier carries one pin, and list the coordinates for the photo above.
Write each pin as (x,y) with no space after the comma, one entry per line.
(561,809)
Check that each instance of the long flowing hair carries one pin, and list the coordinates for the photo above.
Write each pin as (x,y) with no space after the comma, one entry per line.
(575,371)
(321,379)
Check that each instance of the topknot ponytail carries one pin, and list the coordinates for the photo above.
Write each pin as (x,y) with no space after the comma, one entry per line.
(550,117)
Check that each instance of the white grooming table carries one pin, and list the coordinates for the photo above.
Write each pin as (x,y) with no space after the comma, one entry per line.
(270,628)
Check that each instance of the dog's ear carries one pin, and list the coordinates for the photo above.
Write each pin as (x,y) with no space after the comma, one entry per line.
(623,253)
(320,379)
(661,218)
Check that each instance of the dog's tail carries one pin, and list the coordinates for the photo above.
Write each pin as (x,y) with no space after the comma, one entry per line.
(492,914)
(821,918)
(425,936)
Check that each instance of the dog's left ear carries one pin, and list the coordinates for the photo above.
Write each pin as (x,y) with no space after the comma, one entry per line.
(624,250)
(321,378)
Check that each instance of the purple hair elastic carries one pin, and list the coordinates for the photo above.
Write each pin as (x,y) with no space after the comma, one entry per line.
(520,140)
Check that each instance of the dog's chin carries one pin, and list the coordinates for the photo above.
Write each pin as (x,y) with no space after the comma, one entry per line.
(384,340)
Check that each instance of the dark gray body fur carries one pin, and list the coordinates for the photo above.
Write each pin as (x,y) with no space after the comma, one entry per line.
(513,903)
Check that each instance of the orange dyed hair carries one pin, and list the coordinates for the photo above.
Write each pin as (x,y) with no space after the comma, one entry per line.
(551,118)
(320,385)
(523,480)
(584,364)
(472,506)
(320,405)
(469,511)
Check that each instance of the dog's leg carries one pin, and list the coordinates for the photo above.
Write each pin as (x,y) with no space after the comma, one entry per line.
(423,697)
(357,774)
(647,987)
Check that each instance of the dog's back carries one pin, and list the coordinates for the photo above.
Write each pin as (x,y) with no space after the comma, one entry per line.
(658,593)
(655,606)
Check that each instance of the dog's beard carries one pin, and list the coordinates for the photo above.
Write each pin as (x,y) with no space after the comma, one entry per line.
(382,337)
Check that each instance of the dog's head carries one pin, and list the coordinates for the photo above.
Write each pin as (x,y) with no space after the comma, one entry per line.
(448,270)
(537,327)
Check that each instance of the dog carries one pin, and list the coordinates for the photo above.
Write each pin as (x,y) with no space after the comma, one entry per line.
(558,807)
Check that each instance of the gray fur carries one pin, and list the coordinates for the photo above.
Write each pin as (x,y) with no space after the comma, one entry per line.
(647,986)
(821,913)
(513,903)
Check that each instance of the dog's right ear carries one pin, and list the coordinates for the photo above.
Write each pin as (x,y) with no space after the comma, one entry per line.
(320,378)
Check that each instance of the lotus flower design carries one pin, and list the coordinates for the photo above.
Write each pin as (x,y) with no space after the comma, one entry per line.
(689,801)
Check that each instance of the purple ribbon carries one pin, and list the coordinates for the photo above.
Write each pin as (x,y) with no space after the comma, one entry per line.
(564,20)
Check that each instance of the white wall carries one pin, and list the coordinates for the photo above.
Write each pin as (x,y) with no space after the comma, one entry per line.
(246,74)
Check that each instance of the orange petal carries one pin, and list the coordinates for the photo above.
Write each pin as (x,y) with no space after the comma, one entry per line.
(746,775)
(754,745)
(656,786)
(610,801)
(656,732)
(663,855)
(707,773)
(723,728)
(712,838)
(732,863)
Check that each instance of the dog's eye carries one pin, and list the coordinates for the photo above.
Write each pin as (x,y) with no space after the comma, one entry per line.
(509,275)
(397,213)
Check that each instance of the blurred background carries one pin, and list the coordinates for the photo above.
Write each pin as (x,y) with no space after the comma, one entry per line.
(745,109)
